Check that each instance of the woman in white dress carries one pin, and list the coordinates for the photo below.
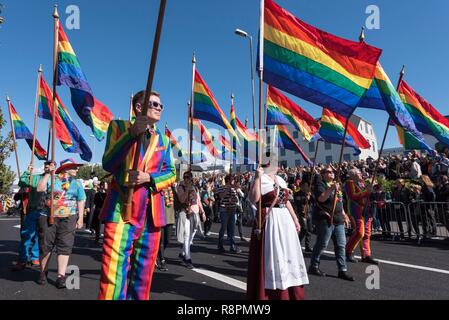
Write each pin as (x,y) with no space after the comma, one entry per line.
(276,267)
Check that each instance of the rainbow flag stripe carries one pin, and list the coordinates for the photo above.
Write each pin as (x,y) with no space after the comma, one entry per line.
(66,131)
(223,142)
(383,95)
(427,118)
(241,129)
(21,131)
(206,107)
(333,128)
(315,65)
(283,111)
(93,113)
(175,144)
(286,141)
(409,141)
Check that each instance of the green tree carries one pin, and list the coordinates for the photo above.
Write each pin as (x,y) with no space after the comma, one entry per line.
(7,176)
(85,173)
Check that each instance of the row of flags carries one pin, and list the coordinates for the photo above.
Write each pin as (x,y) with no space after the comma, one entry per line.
(336,74)
(92,112)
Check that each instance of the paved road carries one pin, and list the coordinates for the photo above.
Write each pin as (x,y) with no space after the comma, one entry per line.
(406,272)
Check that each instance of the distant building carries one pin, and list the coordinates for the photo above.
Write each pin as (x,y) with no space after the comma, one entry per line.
(399,151)
(328,152)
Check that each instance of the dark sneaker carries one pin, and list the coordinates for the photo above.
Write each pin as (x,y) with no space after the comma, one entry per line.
(309,250)
(370,260)
(42,278)
(188,264)
(316,272)
(221,249)
(345,276)
(350,258)
(60,282)
(162,266)
(19,266)
(235,250)
(181,256)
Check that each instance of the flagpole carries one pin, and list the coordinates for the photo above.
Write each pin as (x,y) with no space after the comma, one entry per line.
(259,144)
(48,141)
(39,74)
(127,208)
(13,135)
(131,107)
(53,133)
(314,162)
(191,108)
(234,142)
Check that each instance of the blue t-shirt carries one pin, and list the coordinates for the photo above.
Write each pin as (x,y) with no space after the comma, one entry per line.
(67,193)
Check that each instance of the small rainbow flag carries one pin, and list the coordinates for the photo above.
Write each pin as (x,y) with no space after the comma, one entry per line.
(241,129)
(427,118)
(175,144)
(286,141)
(66,131)
(223,142)
(206,107)
(315,65)
(333,128)
(283,111)
(206,138)
(21,131)
(93,113)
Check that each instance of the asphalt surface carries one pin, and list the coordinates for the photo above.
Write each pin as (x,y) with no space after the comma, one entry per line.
(404,272)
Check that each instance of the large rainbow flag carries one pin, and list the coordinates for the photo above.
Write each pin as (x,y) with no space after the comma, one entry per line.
(206,107)
(93,113)
(66,131)
(286,141)
(383,95)
(315,65)
(283,111)
(333,128)
(21,131)
(427,118)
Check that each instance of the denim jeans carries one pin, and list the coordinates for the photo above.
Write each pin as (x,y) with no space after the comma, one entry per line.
(324,233)
(29,237)
(228,219)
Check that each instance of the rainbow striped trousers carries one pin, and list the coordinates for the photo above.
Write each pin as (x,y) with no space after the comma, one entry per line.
(129,256)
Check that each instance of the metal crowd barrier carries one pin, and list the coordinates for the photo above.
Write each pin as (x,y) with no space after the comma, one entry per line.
(416,220)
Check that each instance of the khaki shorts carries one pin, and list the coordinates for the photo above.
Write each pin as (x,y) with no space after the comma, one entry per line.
(60,235)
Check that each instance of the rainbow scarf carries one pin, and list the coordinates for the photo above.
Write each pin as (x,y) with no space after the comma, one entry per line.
(66,131)
(427,118)
(283,111)
(286,141)
(333,128)
(315,65)
(206,107)
(21,131)
(93,113)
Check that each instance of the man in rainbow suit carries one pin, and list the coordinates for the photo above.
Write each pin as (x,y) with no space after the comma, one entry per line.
(130,248)
(358,196)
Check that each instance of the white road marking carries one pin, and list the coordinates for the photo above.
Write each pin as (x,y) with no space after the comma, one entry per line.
(394,263)
(9,219)
(217,276)
(18,226)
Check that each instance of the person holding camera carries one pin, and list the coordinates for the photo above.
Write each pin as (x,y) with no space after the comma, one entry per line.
(189,220)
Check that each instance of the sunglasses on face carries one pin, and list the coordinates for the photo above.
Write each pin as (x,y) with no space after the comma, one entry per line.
(156,105)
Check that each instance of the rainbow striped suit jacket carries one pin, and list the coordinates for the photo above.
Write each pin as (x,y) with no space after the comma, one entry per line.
(157,160)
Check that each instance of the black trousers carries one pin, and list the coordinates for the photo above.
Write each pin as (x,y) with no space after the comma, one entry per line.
(209,219)
(306,230)
(165,240)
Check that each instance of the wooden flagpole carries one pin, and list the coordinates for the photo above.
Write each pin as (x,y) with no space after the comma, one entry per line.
(234,142)
(127,208)
(131,108)
(13,135)
(191,110)
(53,112)
(35,120)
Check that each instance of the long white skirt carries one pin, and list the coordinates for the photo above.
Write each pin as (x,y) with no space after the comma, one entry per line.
(283,260)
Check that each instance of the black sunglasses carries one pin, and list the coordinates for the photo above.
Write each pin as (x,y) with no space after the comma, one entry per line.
(155,105)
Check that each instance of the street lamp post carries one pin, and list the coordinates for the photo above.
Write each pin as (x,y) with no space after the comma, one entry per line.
(244,34)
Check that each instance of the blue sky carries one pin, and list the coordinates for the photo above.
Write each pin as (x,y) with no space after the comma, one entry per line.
(115,39)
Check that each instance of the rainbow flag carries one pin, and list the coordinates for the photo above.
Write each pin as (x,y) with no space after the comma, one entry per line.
(241,129)
(333,128)
(21,131)
(286,141)
(206,107)
(315,65)
(223,142)
(409,141)
(66,131)
(427,118)
(283,111)
(383,95)
(175,144)
(206,138)
(93,113)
